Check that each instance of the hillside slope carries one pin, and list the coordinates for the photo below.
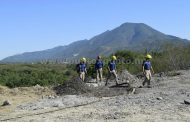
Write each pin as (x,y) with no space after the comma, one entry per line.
(131,36)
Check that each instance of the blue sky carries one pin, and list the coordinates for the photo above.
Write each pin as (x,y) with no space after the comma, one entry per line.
(32,25)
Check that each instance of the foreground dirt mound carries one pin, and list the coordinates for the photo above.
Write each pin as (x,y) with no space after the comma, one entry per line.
(73,87)
(125,76)
(92,88)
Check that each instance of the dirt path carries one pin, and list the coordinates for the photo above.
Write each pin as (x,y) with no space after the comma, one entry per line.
(162,102)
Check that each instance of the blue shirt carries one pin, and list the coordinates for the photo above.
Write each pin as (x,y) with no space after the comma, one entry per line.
(98,64)
(112,65)
(147,65)
(82,67)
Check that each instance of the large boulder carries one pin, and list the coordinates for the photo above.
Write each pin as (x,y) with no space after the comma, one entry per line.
(127,77)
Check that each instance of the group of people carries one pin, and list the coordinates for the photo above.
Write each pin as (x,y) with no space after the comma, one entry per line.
(82,69)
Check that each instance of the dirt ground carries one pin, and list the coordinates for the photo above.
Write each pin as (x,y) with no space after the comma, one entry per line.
(163,102)
(21,95)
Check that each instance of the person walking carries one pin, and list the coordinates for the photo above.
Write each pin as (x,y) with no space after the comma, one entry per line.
(81,68)
(147,68)
(99,68)
(112,70)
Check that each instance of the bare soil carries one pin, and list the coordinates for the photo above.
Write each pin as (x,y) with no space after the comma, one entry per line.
(95,102)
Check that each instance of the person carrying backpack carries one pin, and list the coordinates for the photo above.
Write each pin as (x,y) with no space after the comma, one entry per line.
(81,68)
(112,70)
(147,68)
(98,68)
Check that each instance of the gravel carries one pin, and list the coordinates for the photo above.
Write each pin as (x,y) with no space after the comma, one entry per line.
(163,102)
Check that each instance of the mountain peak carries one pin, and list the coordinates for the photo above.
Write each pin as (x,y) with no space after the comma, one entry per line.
(131,36)
(133,24)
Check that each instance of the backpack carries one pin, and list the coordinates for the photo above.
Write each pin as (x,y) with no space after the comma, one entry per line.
(78,68)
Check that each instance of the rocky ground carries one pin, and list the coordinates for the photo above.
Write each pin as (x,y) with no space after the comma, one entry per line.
(78,101)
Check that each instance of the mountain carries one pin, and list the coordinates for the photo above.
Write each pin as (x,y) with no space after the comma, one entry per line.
(131,36)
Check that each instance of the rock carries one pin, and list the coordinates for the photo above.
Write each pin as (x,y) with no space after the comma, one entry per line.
(126,75)
(51,97)
(133,91)
(55,105)
(159,98)
(187,102)
(162,74)
(6,103)
(37,87)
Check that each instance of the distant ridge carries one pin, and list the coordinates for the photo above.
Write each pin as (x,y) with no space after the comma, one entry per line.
(131,36)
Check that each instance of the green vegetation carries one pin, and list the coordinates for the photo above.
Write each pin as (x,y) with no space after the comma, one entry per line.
(132,61)
(171,58)
(15,75)
(18,75)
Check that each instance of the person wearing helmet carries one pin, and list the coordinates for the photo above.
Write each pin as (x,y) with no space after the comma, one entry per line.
(98,68)
(82,68)
(112,70)
(147,68)
(84,59)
